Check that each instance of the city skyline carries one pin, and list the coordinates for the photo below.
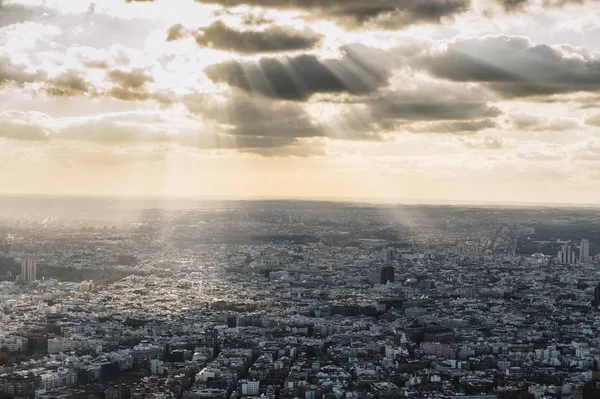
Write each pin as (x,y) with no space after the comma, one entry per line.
(456,100)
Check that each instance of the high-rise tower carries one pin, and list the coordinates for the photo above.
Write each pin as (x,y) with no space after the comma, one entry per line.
(596,301)
(28,270)
(584,250)
(387,274)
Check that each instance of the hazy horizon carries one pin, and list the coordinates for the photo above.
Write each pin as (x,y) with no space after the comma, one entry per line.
(340,200)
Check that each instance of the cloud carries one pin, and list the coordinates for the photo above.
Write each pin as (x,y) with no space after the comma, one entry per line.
(23,126)
(383,13)
(18,74)
(274,127)
(90,28)
(272,39)
(278,133)
(69,83)
(134,79)
(12,13)
(520,5)
(130,85)
(593,120)
(127,85)
(513,5)
(587,150)
(114,129)
(541,152)
(256,19)
(397,107)
(176,32)
(485,143)
(91,58)
(257,120)
(361,70)
(536,123)
(270,119)
(448,107)
(471,126)
(514,67)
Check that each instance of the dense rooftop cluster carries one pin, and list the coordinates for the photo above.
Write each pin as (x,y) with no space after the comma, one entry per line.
(287,301)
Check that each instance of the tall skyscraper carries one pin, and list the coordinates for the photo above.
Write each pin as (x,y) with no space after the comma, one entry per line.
(584,250)
(387,274)
(28,270)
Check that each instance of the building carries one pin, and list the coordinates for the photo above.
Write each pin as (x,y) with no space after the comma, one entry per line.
(584,250)
(211,339)
(389,254)
(19,384)
(57,379)
(28,270)
(566,255)
(117,392)
(250,388)
(387,274)
(596,301)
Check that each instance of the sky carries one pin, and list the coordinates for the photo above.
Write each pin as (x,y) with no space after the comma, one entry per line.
(456,100)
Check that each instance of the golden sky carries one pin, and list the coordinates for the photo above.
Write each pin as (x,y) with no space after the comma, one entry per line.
(479,100)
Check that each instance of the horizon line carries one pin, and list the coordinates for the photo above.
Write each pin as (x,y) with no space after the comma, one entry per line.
(331,199)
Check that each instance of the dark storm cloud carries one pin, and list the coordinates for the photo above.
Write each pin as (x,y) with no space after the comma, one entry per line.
(273,39)
(392,13)
(514,67)
(362,70)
